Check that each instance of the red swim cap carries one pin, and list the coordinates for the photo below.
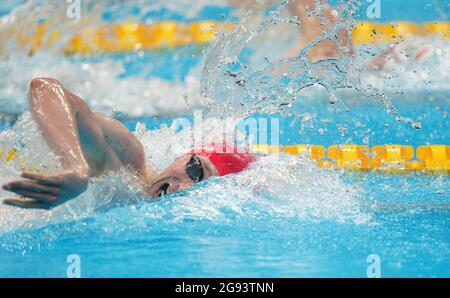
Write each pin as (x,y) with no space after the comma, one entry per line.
(227,160)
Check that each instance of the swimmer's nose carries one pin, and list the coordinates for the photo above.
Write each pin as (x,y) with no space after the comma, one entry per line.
(166,188)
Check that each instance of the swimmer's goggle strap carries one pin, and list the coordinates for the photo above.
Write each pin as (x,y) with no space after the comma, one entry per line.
(194,169)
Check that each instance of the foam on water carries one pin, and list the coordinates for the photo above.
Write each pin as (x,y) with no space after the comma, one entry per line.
(100,84)
(431,74)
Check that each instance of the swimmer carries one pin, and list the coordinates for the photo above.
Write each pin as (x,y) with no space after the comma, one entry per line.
(409,51)
(91,144)
(317,17)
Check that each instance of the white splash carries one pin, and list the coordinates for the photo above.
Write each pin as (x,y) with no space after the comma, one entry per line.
(99,84)
(281,185)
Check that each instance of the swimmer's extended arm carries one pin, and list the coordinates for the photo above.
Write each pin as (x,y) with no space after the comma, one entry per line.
(314,21)
(87,144)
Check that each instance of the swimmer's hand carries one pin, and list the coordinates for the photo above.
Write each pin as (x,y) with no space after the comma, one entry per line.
(381,61)
(46,192)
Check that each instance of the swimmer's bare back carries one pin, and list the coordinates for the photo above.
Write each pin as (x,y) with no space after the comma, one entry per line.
(88,144)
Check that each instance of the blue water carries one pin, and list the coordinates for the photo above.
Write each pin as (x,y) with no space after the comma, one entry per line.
(409,214)
(410,234)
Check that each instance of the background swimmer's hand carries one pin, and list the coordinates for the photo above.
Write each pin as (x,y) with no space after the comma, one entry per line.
(383,60)
(46,192)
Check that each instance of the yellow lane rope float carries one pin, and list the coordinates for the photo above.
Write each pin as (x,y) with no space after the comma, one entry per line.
(375,33)
(134,36)
(9,156)
(125,37)
(12,155)
(130,36)
(386,158)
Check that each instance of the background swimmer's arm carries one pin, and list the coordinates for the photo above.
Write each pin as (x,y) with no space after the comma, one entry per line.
(71,130)
(313,22)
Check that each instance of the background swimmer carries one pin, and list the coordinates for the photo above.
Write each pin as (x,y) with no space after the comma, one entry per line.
(92,144)
(317,17)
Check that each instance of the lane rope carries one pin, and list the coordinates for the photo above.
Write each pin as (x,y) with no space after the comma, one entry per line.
(130,36)
(385,158)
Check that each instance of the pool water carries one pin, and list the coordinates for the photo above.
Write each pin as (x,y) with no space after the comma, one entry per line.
(284,217)
(408,229)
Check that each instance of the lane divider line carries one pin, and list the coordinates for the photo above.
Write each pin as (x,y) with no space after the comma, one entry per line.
(389,158)
(131,36)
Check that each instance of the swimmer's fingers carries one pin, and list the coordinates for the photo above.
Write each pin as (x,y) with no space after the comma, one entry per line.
(26,189)
(27,204)
(32,186)
(35,195)
(50,180)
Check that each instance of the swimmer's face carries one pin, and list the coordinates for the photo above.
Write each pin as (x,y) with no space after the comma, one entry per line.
(182,174)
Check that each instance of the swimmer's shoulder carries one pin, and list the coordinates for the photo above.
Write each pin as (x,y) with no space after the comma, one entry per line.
(124,143)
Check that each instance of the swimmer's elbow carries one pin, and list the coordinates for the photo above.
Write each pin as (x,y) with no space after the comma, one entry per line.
(38,83)
(43,89)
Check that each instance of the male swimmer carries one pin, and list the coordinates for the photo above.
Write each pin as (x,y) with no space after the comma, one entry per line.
(91,144)
(317,17)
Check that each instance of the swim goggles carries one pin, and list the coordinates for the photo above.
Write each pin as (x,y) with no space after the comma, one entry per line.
(194,169)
